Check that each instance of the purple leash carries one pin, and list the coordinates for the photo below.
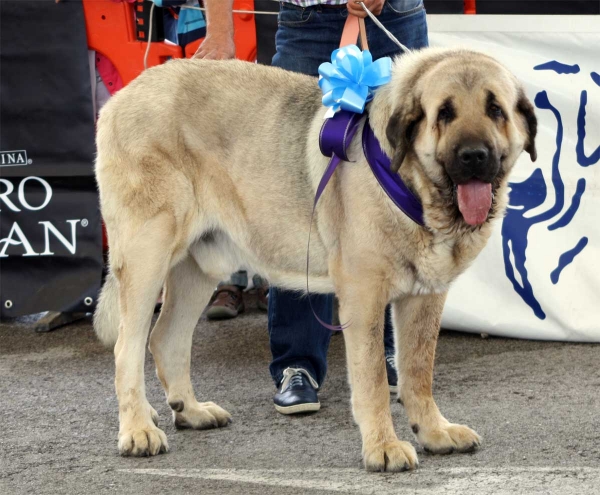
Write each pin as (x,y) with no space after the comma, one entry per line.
(334,139)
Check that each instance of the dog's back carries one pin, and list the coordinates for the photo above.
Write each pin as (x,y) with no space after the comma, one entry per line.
(168,153)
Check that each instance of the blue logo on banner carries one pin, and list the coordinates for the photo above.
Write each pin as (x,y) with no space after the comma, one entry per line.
(532,192)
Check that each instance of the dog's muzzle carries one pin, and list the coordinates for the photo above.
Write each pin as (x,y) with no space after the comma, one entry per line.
(473,169)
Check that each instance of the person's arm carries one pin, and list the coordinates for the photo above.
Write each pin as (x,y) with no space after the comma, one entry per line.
(375,6)
(218,44)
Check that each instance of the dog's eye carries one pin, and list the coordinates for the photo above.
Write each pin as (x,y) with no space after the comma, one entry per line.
(446,113)
(495,111)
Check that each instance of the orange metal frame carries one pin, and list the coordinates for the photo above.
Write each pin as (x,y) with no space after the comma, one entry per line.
(470,7)
(111,31)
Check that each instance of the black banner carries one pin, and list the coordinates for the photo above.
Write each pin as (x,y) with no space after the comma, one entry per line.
(539,7)
(50,230)
(444,6)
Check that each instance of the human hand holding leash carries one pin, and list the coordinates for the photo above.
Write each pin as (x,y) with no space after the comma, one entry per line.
(375,6)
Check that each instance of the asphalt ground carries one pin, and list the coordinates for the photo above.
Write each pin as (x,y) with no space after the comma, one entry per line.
(536,405)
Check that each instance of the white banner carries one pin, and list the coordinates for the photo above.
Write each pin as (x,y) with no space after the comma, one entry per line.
(539,276)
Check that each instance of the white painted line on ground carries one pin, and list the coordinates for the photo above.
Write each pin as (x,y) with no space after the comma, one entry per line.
(280,477)
(497,481)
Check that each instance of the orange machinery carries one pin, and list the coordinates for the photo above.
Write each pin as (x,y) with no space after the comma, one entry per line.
(470,7)
(111,31)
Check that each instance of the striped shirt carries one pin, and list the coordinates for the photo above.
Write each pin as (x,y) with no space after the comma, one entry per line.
(310,3)
(400,6)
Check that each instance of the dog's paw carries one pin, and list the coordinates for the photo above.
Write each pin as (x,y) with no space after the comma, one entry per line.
(448,439)
(391,457)
(199,416)
(142,442)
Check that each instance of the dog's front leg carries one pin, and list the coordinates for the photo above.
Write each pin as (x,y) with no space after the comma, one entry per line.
(417,323)
(363,308)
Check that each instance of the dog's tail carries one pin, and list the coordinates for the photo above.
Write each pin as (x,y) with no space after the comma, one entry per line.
(106,316)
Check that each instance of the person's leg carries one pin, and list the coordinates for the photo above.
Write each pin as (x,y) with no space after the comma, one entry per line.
(406,20)
(390,351)
(239,279)
(297,339)
(305,39)
(299,345)
(261,286)
(388,335)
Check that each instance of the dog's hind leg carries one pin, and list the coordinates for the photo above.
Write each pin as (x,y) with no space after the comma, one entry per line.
(140,262)
(417,323)
(188,290)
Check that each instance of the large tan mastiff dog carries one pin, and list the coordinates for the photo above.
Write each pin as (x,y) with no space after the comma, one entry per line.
(205,167)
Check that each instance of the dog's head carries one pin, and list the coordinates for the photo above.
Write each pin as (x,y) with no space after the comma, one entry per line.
(463,119)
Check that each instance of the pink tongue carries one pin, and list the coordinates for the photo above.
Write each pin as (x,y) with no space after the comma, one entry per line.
(475,201)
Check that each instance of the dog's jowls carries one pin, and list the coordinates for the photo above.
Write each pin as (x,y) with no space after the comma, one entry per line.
(205,167)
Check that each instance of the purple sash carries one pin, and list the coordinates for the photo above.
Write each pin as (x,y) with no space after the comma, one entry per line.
(336,135)
(335,138)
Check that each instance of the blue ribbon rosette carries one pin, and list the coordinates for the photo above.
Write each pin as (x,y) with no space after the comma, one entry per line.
(350,80)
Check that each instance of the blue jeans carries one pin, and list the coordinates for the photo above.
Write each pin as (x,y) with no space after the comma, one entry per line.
(305,38)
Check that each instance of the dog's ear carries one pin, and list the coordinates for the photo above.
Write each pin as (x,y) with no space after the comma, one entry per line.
(525,108)
(400,131)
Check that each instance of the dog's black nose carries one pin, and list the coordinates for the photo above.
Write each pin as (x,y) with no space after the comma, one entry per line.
(473,156)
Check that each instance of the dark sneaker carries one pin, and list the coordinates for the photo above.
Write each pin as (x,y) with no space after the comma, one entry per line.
(392,374)
(297,393)
(227,302)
